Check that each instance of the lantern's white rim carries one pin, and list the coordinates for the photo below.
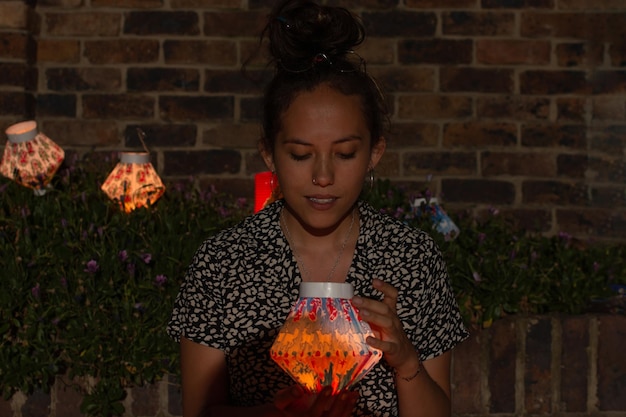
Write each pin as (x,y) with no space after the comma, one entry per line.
(134,157)
(326,290)
(22,132)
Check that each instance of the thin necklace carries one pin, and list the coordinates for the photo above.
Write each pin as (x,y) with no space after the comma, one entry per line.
(303,267)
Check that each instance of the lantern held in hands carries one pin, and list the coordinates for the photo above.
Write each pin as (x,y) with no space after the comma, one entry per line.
(322,342)
(264,189)
(30,158)
(134,182)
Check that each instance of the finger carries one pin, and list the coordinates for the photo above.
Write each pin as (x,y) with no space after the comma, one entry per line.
(344,404)
(389,291)
(286,397)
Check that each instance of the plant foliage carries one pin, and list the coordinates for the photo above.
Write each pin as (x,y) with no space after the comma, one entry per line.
(88,290)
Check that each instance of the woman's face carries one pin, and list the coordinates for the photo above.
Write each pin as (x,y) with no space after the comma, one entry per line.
(322,155)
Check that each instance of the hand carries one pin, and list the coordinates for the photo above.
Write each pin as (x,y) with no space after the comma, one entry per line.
(296,402)
(390,336)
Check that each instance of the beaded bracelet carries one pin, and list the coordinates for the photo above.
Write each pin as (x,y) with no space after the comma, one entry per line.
(412,377)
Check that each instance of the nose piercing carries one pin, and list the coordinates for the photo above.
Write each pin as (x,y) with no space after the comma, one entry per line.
(314,180)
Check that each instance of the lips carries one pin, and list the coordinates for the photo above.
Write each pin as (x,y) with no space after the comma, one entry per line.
(322,200)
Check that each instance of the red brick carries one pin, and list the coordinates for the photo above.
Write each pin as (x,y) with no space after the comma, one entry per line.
(429,107)
(478,23)
(161,135)
(233,81)
(17,75)
(56,105)
(530,220)
(82,133)
(598,27)
(609,108)
(468,371)
(439,163)
(190,4)
(84,79)
(571,109)
(412,134)
(435,51)
(574,363)
(554,192)
(145,400)
(221,53)
(607,169)
(405,79)
(502,360)
(481,80)
(234,24)
(590,222)
(187,108)
(554,135)
(129,4)
(513,107)
(609,82)
(14,14)
(389,165)
(610,140)
(610,197)
(182,23)
(479,134)
(617,54)
(67,399)
(518,4)
(530,164)
(478,191)
(444,4)
(163,79)
(538,367)
(512,52)
(16,103)
(554,82)
(400,23)
(579,54)
(120,51)
(244,136)
(58,51)
(612,363)
(213,162)
(83,24)
(16,46)
(608,5)
(117,106)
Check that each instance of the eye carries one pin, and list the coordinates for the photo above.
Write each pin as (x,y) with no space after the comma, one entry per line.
(299,157)
(349,155)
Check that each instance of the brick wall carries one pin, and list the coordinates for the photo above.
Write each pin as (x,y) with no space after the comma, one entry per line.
(519,104)
(566,366)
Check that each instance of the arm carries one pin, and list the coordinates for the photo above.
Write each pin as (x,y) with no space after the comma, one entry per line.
(423,387)
(205,391)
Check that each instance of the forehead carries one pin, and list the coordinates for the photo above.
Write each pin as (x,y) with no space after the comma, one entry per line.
(324,110)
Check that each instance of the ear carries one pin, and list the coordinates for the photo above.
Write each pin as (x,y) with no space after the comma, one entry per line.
(377,152)
(268,158)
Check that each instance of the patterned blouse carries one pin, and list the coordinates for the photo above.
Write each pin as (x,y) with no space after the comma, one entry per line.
(243,281)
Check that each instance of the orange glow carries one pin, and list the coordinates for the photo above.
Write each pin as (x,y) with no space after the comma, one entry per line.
(134,182)
(322,343)
(265,185)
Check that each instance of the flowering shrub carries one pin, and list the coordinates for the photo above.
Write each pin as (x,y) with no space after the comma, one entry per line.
(87,290)
(497,269)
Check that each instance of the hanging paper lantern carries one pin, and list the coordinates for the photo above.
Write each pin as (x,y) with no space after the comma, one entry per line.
(322,342)
(134,182)
(30,158)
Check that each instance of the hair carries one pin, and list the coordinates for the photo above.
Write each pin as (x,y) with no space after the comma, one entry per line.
(312,45)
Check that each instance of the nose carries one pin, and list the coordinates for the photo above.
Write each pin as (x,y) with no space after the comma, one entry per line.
(323,172)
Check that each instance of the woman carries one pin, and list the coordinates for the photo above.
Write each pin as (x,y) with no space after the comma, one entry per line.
(322,136)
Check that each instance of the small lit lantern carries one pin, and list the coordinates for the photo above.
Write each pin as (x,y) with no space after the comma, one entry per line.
(264,189)
(30,158)
(439,218)
(134,182)
(322,342)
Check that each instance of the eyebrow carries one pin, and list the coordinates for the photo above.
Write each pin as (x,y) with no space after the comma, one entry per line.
(350,138)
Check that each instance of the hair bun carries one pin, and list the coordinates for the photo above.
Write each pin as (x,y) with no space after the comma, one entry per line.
(300,30)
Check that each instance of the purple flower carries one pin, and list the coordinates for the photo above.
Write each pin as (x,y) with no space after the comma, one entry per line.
(64,282)
(139,307)
(494,211)
(64,223)
(160,280)
(55,321)
(146,257)
(476,277)
(92,267)
(122,255)
(36,290)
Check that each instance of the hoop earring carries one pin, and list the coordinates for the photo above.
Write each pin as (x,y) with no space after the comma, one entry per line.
(371,179)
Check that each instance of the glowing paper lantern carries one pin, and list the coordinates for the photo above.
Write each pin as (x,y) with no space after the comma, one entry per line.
(322,342)
(30,158)
(264,188)
(440,219)
(134,182)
